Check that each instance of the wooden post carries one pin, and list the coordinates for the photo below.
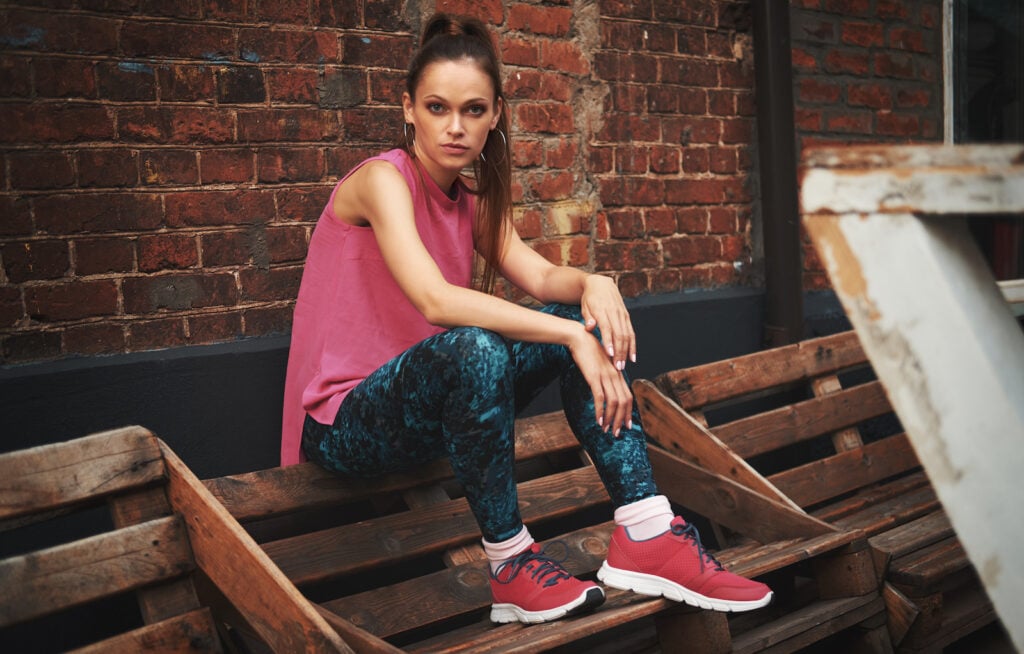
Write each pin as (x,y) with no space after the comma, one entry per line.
(936,326)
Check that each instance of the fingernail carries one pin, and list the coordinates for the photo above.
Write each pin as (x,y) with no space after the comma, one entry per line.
(617,433)
(611,351)
(600,421)
(632,357)
(629,424)
(620,365)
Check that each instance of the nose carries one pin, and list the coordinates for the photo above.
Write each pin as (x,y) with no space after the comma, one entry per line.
(455,126)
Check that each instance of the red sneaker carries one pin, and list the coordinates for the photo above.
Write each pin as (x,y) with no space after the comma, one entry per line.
(533,587)
(676,565)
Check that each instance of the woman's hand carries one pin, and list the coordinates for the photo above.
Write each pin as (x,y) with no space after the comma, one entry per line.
(613,401)
(603,308)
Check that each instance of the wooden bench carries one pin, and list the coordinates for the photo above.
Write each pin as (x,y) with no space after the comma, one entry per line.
(148,527)
(399,556)
(810,422)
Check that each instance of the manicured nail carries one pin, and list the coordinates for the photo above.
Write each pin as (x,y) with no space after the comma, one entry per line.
(620,365)
(632,357)
(611,351)
(600,421)
(617,433)
(629,424)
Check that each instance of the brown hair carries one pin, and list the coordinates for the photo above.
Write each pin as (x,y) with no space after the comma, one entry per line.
(450,38)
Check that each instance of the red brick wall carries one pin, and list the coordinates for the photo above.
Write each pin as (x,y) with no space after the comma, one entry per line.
(163,163)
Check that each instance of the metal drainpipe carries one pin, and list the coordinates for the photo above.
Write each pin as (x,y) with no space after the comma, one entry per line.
(776,141)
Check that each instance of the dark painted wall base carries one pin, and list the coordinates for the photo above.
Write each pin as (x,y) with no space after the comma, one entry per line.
(219,407)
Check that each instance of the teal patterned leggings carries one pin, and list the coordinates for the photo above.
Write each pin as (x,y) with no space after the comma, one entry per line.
(456,394)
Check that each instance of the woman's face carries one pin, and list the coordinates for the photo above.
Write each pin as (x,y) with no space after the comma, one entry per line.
(454,109)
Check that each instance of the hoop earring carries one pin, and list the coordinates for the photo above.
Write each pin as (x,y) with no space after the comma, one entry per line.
(410,146)
(504,149)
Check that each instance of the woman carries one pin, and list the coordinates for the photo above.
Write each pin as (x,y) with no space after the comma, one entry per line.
(396,359)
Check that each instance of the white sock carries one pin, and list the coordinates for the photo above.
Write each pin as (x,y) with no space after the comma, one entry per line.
(498,553)
(647,518)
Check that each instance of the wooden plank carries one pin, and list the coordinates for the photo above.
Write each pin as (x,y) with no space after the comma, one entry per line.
(827,617)
(729,503)
(923,569)
(191,632)
(278,491)
(821,480)
(62,474)
(707,384)
(76,573)
(668,425)
(888,514)
(804,420)
(227,555)
(781,554)
(843,439)
(836,512)
(914,535)
(901,613)
(329,553)
(431,496)
(167,600)
(443,595)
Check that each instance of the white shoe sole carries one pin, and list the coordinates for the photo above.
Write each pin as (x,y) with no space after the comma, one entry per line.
(588,599)
(646,584)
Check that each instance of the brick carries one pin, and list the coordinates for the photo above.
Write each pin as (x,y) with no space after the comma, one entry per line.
(874,96)
(561,154)
(71,300)
(912,40)
(519,52)
(625,224)
(735,74)
(549,21)
(849,62)
(600,159)
(627,8)
(624,191)
(94,338)
(240,85)
(527,223)
(688,72)
(626,128)
(660,38)
(230,10)
(911,98)
(60,32)
(552,186)
(865,35)
(720,44)
(733,247)
(284,11)
(287,125)
(632,284)
(931,16)
(815,91)
(892,10)
(665,160)
(165,167)
(616,67)
(659,222)
(731,15)
(47,123)
(288,46)
(849,7)
(182,9)
(386,87)
(301,204)
(808,119)
(812,28)
(563,56)
(167,252)
(691,41)
(267,321)
(738,130)
(12,310)
(227,165)
(268,285)
(110,168)
(902,125)
(292,85)
(34,260)
(897,65)
(376,50)
(386,15)
(721,220)
(343,14)
(696,160)
(126,81)
(491,12)
(722,103)
(691,220)
(373,124)
(214,327)
(46,169)
(629,255)
(204,208)
(185,83)
(343,88)
(706,191)
(803,60)
(619,35)
(30,346)
(65,78)
(722,160)
(15,76)
(688,130)
(156,334)
(97,212)
(290,165)
(545,118)
(178,292)
(690,250)
(630,98)
(572,251)
(631,159)
(180,125)
(177,40)
(228,248)
(98,256)
(854,122)
(286,244)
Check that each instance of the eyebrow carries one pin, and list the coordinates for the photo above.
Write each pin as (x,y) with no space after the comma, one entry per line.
(434,96)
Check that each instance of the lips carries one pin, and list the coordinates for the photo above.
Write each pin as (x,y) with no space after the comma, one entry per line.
(454,148)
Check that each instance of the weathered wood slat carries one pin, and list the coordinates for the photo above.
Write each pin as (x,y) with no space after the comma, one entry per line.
(62,474)
(668,425)
(243,573)
(825,479)
(341,550)
(700,386)
(926,567)
(771,430)
(76,573)
(454,592)
(897,510)
(729,503)
(838,511)
(279,491)
(914,535)
(791,633)
(191,632)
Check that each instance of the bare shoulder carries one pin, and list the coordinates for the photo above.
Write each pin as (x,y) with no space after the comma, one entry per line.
(371,186)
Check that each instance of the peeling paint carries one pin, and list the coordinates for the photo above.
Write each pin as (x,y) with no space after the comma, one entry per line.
(135,67)
(32,36)
(250,56)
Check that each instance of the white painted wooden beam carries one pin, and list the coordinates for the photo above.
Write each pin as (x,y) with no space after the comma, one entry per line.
(936,327)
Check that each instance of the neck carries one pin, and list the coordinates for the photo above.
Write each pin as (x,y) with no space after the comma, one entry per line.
(443,178)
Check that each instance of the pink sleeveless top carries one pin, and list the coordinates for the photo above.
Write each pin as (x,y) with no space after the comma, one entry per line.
(351,316)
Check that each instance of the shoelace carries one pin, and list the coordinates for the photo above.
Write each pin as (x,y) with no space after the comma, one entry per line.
(689,531)
(540,564)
